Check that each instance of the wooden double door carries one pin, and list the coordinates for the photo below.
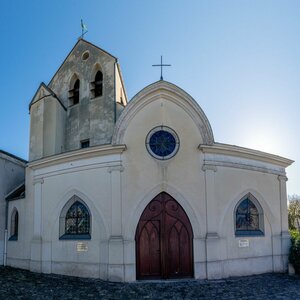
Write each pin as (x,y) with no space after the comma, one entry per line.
(164,241)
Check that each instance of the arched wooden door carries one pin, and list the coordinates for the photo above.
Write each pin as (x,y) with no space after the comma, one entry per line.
(164,241)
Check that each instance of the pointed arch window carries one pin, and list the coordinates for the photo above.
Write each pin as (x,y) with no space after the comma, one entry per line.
(74,93)
(75,220)
(249,217)
(14,226)
(97,85)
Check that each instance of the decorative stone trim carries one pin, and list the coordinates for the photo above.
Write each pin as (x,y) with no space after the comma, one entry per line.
(212,235)
(282,178)
(77,154)
(115,168)
(116,238)
(231,150)
(210,167)
(38,180)
(243,166)
(170,92)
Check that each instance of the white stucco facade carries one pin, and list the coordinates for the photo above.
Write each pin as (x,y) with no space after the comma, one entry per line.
(117,181)
(12,175)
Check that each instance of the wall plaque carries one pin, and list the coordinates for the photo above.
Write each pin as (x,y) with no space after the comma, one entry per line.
(82,247)
(243,243)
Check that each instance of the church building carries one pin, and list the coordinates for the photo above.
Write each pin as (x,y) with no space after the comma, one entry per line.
(135,190)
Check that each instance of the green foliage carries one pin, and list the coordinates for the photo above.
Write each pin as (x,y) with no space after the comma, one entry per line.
(294,212)
(295,234)
(294,256)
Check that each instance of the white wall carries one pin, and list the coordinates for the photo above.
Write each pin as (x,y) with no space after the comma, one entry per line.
(11,175)
(117,183)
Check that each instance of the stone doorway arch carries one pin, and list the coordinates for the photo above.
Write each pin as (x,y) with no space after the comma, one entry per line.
(164,241)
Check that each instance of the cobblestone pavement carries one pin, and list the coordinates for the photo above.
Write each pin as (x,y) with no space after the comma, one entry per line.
(21,284)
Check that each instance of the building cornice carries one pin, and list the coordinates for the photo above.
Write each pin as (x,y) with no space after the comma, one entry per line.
(77,155)
(231,150)
(13,158)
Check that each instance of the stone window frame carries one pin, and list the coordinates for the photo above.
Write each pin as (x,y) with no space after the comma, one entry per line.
(85,143)
(244,233)
(97,68)
(62,221)
(73,80)
(14,225)
(169,131)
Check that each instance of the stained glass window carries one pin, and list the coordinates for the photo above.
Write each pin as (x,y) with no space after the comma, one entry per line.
(77,219)
(162,142)
(248,219)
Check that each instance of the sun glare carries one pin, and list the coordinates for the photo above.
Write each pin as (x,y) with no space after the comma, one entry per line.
(265,141)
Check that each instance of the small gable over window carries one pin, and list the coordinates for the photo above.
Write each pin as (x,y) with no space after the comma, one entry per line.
(75,220)
(74,92)
(14,226)
(97,85)
(249,217)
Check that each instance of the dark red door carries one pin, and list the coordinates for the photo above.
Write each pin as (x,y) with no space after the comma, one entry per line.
(164,241)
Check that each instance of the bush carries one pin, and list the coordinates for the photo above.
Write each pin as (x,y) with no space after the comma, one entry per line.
(294,256)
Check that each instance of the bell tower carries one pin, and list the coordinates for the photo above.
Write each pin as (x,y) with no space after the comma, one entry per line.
(80,105)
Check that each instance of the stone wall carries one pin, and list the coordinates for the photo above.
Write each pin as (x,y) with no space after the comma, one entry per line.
(57,124)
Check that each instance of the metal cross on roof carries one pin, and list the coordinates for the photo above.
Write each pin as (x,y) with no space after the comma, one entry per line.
(161,67)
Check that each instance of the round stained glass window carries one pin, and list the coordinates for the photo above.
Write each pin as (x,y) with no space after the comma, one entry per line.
(162,142)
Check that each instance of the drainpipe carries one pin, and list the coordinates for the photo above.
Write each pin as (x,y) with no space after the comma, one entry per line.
(5,234)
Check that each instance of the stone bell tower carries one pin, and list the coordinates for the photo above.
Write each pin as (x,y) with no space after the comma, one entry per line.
(80,105)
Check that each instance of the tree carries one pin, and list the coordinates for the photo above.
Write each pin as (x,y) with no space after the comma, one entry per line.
(294,212)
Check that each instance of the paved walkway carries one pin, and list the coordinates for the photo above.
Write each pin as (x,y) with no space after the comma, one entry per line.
(20,284)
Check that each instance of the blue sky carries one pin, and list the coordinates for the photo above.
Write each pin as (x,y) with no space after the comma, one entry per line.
(239,60)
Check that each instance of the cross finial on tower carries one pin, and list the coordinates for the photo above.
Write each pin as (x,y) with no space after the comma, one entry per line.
(161,67)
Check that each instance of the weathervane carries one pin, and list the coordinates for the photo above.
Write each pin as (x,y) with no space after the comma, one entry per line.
(83,29)
(161,67)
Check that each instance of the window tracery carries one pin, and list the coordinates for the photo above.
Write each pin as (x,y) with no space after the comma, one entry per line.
(75,221)
(248,217)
